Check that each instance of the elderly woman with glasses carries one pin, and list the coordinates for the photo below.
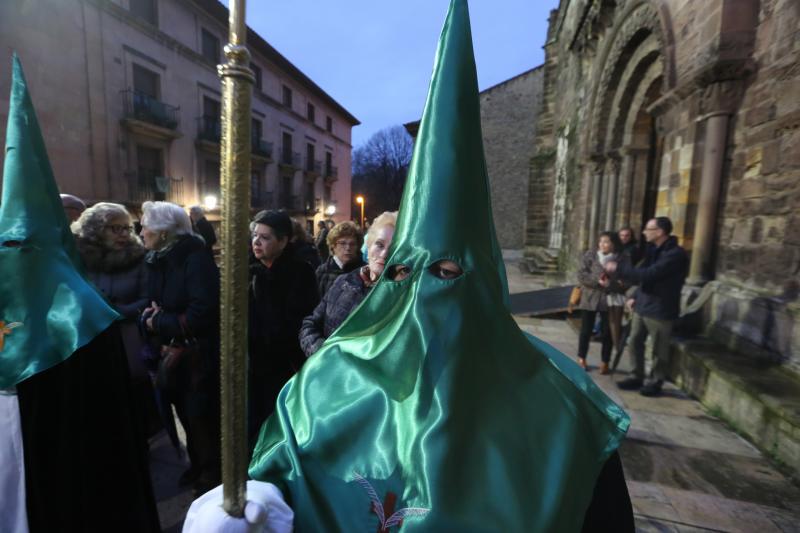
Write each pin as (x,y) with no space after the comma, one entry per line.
(350,289)
(344,242)
(282,291)
(114,259)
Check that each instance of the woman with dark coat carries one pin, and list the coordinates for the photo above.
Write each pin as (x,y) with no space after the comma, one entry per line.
(282,292)
(183,290)
(350,289)
(600,294)
(344,242)
(114,259)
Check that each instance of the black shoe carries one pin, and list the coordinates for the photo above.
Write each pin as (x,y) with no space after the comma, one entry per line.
(631,383)
(651,389)
(189,477)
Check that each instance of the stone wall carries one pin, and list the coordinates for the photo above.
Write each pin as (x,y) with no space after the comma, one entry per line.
(508,120)
(688,110)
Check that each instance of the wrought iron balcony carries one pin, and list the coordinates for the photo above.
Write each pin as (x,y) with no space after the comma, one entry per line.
(140,106)
(209,128)
(331,173)
(291,159)
(144,186)
(313,166)
(261,147)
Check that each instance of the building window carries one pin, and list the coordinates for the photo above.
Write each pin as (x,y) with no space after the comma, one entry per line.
(211,183)
(145,10)
(310,157)
(287,96)
(286,154)
(257,73)
(286,193)
(328,193)
(329,124)
(311,112)
(150,164)
(210,126)
(328,163)
(256,198)
(256,130)
(310,204)
(210,46)
(145,82)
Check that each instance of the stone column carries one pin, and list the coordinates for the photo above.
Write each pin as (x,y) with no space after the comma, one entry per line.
(612,190)
(595,199)
(717,104)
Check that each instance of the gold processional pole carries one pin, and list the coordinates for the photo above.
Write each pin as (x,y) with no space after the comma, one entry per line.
(237,82)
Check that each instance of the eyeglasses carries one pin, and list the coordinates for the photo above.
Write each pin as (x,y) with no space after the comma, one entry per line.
(347,244)
(119,229)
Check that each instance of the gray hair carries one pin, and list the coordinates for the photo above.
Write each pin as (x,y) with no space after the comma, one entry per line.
(196,210)
(387,218)
(92,222)
(167,217)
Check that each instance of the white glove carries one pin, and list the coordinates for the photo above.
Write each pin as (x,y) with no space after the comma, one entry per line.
(264,512)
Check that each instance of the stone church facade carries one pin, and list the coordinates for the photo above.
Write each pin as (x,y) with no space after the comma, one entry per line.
(689,110)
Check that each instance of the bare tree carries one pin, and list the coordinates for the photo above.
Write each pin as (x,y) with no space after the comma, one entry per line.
(380,166)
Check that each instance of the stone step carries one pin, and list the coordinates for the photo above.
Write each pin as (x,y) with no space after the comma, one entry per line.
(759,399)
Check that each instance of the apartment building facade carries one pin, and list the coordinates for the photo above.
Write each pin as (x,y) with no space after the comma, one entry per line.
(129,102)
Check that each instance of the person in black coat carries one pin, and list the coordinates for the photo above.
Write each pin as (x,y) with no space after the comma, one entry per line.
(282,291)
(349,289)
(656,302)
(630,246)
(303,245)
(183,290)
(203,227)
(321,240)
(344,241)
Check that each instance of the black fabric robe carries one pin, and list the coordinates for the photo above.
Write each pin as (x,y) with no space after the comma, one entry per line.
(86,464)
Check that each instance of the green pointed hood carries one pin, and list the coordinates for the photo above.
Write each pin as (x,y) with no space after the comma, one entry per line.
(429,397)
(47,308)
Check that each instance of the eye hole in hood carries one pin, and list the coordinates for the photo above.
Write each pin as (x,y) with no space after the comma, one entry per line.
(446,269)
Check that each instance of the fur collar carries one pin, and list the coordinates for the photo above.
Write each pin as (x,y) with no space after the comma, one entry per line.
(97,258)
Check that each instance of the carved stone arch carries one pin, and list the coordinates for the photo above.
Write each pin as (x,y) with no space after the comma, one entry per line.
(637,21)
(645,63)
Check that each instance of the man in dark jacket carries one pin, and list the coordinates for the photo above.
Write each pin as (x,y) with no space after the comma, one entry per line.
(656,302)
(630,247)
(203,227)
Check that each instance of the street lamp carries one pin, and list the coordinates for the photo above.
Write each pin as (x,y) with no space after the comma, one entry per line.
(330,210)
(360,201)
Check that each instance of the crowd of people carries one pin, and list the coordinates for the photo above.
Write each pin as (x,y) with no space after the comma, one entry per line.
(159,273)
(620,276)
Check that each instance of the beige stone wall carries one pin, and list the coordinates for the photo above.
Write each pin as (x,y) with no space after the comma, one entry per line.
(79,59)
(508,120)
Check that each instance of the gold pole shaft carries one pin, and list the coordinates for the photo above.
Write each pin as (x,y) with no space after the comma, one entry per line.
(237,82)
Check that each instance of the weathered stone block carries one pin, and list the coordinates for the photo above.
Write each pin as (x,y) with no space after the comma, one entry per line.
(751,188)
(770,157)
(759,115)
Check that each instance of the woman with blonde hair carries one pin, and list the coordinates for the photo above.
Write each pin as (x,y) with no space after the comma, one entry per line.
(350,289)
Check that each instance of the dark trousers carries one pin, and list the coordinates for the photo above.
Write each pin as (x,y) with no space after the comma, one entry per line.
(587,324)
(198,412)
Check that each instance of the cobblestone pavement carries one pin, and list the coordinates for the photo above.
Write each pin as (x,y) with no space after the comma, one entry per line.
(686,470)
